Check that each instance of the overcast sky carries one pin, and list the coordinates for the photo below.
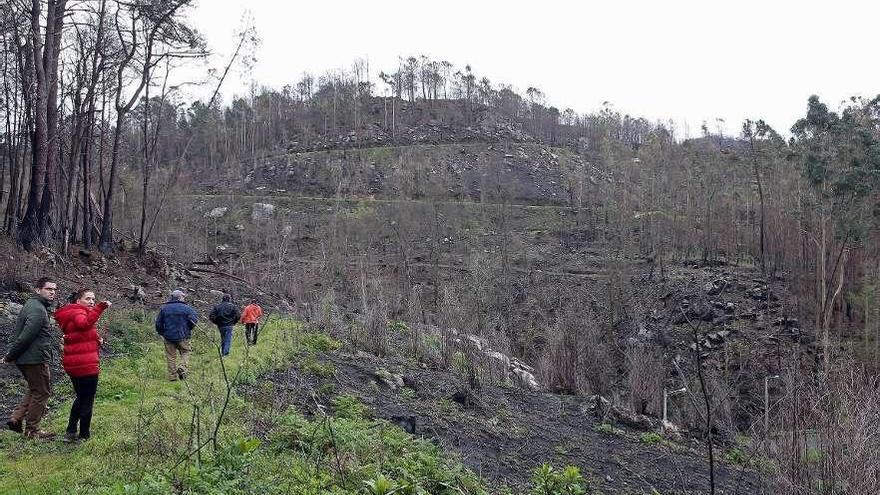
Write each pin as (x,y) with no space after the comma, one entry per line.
(689,61)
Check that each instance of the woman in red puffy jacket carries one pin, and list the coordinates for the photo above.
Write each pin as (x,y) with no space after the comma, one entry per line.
(81,355)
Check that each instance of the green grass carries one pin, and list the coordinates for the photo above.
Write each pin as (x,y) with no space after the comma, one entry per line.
(608,429)
(140,417)
(143,430)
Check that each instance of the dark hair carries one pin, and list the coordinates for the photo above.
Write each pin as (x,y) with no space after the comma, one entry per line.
(74,296)
(43,281)
(227,298)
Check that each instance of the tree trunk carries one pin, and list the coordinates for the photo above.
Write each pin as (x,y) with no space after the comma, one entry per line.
(28,231)
(54,26)
(761,199)
(105,244)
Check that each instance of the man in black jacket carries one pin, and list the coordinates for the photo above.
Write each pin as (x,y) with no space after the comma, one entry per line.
(225,315)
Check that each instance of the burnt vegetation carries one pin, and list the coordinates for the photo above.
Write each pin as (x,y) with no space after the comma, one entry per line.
(717,288)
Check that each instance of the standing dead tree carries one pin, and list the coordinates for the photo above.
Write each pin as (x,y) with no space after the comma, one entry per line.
(44,47)
(148,33)
(707,414)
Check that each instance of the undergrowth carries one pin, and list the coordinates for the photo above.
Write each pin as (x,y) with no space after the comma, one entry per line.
(151,436)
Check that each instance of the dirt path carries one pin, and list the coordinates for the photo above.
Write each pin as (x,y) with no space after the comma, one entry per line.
(508,432)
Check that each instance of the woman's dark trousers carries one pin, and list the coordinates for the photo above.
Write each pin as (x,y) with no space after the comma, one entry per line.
(85,388)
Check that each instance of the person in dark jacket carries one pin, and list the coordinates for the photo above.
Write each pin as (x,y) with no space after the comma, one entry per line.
(174,323)
(31,350)
(82,348)
(225,315)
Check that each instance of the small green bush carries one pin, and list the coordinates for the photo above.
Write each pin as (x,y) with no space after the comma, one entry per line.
(406,394)
(349,407)
(380,485)
(398,327)
(607,429)
(320,342)
(312,366)
(736,455)
(651,438)
(459,362)
(546,480)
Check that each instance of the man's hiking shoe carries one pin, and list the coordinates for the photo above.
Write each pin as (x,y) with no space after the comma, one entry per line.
(40,435)
(12,425)
(70,437)
(181,374)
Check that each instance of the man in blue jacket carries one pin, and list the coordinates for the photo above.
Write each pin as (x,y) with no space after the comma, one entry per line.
(174,323)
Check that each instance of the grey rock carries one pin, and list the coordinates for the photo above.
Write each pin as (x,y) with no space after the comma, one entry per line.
(389,379)
(217,212)
(13,308)
(136,293)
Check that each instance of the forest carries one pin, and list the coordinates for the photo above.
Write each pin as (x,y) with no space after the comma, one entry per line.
(425,214)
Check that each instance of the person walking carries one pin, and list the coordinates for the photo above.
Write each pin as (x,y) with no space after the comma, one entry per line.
(82,346)
(174,323)
(31,351)
(250,316)
(225,315)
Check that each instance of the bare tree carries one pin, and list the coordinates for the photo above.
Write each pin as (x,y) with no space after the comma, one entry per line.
(148,34)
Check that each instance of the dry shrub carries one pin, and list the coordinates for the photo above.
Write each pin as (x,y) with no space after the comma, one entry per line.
(415,313)
(14,274)
(325,312)
(646,375)
(372,331)
(450,320)
(829,442)
(576,359)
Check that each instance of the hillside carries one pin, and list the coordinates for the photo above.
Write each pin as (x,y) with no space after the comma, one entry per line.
(471,289)
(501,432)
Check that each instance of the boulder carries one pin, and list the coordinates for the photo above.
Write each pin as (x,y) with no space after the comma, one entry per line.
(526,380)
(389,379)
(499,357)
(13,308)
(714,288)
(633,419)
(136,293)
(217,212)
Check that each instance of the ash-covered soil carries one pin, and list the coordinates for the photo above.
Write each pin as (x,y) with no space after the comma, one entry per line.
(503,433)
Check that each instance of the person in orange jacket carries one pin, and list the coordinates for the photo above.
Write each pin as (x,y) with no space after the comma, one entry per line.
(250,316)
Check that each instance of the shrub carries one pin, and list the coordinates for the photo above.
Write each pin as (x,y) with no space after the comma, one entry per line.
(546,480)
(651,438)
(349,407)
(607,429)
(320,342)
(380,485)
(312,366)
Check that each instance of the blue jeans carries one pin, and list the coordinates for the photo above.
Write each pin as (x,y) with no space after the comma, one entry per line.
(225,339)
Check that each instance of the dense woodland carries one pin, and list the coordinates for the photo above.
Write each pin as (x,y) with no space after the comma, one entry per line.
(98,138)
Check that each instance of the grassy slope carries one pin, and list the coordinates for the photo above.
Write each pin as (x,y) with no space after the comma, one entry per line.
(143,426)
